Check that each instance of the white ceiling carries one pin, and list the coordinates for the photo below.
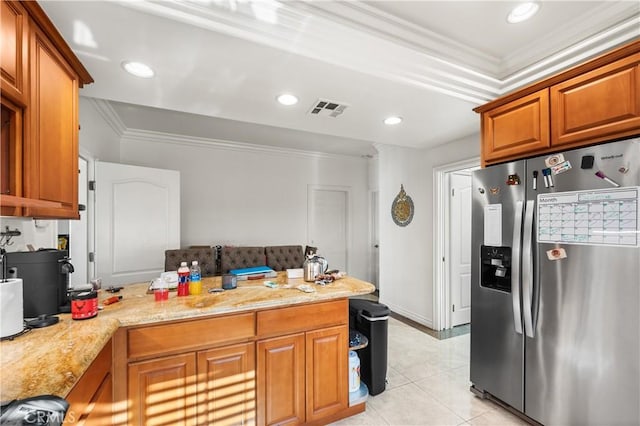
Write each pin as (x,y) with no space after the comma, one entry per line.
(221,63)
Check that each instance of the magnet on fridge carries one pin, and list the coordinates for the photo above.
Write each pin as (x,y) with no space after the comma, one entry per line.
(554,160)
(548,180)
(561,168)
(534,182)
(513,180)
(624,169)
(587,162)
(604,177)
(556,254)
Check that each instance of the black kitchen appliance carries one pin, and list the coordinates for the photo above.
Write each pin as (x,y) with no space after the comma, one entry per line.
(45,277)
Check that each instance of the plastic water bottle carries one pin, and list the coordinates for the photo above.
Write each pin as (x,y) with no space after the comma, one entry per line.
(354,371)
(195,281)
(183,279)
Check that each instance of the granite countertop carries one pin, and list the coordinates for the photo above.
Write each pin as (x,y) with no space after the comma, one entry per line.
(50,360)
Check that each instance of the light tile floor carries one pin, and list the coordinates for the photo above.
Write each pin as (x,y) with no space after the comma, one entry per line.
(428,384)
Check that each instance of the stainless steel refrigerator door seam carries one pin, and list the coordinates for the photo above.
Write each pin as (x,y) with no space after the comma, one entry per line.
(527,269)
(515,267)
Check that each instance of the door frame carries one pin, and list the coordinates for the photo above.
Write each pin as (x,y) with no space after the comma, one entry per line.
(374,238)
(90,212)
(441,225)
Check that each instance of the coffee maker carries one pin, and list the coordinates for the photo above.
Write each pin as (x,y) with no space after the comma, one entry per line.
(45,277)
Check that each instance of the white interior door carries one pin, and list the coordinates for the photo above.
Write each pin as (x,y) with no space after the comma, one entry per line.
(328,224)
(137,219)
(460,247)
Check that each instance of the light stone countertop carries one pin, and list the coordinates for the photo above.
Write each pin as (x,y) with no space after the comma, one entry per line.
(50,360)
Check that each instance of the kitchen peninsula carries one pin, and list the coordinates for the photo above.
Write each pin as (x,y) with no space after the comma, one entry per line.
(253,354)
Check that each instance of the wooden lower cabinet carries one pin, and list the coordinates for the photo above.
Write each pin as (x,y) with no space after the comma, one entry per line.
(327,372)
(281,380)
(163,391)
(226,385)
(91,399)
(100,411)
(278,366)
(302,378)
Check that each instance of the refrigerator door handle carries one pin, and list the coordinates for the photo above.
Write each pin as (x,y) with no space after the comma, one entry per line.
(515,268)
(527,269)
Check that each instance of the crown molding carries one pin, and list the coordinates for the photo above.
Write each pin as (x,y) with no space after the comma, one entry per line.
(108,114)
(577,53)
(316,36)
(137,135)
(608,18)
(421,58)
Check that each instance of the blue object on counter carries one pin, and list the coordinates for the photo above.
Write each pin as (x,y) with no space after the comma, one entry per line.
(251,271)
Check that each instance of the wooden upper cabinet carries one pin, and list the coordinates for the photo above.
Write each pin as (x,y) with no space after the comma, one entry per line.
(14,54)
(10,156)
(51,152)
(516,128)
(594,102)
(39,78)
(598,105)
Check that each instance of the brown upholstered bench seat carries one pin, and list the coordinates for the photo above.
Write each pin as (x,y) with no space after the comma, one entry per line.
(205,257)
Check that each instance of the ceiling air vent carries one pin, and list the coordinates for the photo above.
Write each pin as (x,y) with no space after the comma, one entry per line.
(328,108)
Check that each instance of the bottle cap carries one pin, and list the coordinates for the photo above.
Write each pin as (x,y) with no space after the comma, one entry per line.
(195,262)
(183,263)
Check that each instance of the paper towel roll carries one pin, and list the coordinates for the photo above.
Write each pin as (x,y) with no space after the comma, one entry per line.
(11,309)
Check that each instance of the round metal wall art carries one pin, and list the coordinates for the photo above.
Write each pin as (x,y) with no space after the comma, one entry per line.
(402,208)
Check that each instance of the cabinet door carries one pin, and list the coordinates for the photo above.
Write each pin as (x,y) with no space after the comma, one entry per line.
(14,53)
(327,372)
(516,129)
(598,105)
(163,391)
(281,383)
(100,411)
(226,385)
(51,148)
(10,156)
(93,391)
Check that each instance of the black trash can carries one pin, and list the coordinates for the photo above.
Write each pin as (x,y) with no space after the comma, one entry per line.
(371,319)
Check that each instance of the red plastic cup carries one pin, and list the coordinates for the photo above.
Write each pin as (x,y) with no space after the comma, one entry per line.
(161,294)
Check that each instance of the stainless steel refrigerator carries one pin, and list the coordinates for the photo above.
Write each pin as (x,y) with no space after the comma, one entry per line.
(555,298)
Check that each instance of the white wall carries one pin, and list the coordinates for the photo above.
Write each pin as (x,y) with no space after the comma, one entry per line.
(249,196)
(406,253)
(38,233)
(96,137)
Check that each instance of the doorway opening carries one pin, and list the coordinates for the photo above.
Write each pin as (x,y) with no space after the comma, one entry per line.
(452,251)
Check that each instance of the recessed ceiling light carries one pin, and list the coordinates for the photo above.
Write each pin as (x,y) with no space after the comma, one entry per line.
(522,12)
(138,69)
(287,99)
(392,121)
